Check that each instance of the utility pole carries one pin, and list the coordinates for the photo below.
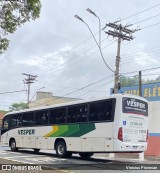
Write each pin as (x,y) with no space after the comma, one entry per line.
(140,83)
(30,79)
(122,33)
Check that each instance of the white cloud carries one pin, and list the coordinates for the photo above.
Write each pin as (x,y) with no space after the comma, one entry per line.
(41,46)
(144,59)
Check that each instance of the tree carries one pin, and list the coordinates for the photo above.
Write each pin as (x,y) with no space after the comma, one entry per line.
(18,106)
(4,111)
(13,14)
(130,81)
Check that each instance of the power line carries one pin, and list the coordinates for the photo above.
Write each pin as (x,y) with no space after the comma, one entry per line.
(81,88)
(141,70)
(146,19)
(149,26)
(141,12)
(74,58)
(92,91)
(78,45)
(95,46)
(76,61)
(8,92)
(155,49)
(73,88)
(87,86)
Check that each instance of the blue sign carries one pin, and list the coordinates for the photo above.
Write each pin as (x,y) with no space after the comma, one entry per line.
(124,123)
(150,91)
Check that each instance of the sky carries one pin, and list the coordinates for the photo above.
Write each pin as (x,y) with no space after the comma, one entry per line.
(61,51)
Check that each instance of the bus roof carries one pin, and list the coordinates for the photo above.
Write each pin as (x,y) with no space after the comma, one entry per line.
(78,102)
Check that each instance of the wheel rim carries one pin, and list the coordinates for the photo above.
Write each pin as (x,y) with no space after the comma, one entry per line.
(13,145)
(61,149)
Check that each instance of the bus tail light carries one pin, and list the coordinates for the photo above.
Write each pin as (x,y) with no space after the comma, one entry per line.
(147,136)
(120,134)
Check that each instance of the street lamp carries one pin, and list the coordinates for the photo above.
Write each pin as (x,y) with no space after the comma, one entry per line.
(92,12)
(35,94)
(79,18)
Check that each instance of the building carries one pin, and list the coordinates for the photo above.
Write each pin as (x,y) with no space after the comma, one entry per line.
(1,117)
(47,99)
(152,93)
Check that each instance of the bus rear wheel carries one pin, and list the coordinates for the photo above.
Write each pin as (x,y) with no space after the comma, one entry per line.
(61,150)
(13,145)
(86,155)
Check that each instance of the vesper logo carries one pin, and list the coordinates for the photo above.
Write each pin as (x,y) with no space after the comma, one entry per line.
(26,132)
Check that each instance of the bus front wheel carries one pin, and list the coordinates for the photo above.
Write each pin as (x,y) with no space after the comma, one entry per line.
(13,145)
(86,155)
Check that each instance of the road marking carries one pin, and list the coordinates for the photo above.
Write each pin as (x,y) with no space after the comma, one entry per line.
(21,156)
(9,152)
(45,159)
(17,161)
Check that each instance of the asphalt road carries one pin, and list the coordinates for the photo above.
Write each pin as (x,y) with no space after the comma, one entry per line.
(98,163)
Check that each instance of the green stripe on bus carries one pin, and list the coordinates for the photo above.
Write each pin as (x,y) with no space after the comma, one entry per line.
(61,130)
(71,129)
(84,128)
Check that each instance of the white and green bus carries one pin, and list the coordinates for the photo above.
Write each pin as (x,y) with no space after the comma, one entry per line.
(118,123)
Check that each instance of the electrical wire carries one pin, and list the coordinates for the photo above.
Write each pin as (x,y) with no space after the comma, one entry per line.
(74,58)
(146,19)
(154,68)
(150,26)
(12,92)
(141,12)
(78,45)
(76,61)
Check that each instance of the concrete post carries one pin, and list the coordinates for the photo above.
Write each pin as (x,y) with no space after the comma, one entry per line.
(141,156)
(111,155)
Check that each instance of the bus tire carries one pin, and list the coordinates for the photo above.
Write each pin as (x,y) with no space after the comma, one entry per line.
(86,155)
(13,145)
(36,150)
(61,149)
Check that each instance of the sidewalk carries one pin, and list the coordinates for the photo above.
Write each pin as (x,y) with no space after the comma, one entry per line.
(128,157)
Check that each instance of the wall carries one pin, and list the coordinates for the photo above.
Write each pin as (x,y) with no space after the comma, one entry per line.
(154,129)
(152,93)
(47,99)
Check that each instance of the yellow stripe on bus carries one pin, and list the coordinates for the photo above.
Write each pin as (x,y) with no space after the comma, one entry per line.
(55,129)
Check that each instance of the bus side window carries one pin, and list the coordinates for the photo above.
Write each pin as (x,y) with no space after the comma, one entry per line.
(16,120)
(57,116)
(61,115)
(82,113)
(41,117)
(19,120)
(13,120)
(94,111)
(28,119)
(52,116)
(106,110)
(72,114)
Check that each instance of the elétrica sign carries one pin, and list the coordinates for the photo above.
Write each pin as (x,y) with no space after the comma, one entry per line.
(150,91)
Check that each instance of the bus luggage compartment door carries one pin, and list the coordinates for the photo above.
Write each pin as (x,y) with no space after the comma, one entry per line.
(92,144)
